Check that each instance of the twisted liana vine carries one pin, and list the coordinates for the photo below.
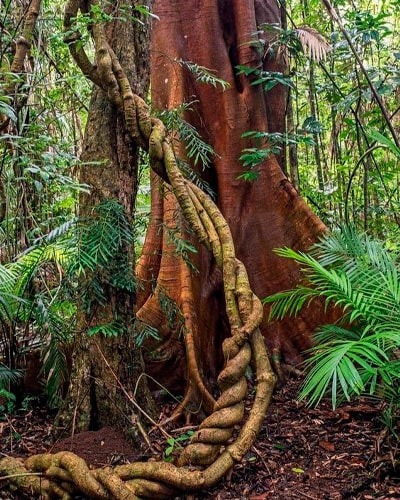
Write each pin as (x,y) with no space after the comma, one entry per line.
(214,448)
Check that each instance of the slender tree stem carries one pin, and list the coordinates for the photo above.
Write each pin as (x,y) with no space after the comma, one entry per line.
(336,17)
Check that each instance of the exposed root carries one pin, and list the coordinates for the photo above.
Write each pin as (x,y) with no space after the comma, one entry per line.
(190,329)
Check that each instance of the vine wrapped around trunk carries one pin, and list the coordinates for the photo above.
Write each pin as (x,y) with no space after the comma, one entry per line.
(209,456)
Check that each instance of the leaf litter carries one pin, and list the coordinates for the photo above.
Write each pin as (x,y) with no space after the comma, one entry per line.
(301,453)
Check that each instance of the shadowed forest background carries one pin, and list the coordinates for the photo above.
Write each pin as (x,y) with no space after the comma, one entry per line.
(198,202)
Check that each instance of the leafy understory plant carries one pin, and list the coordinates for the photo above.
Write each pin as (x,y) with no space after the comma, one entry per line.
(83,257)
(359,353)
(175,444)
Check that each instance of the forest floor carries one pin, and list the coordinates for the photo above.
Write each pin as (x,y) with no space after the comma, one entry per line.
(301,453)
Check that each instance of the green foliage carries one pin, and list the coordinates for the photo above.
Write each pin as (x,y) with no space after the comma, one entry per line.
(331,101)
(183,247)
(196,148)
(291,42)
(39,151)
(358,354)
(98,238)
(8,376)
(171,310)
(384,141)
(78,261)
(144,10)
(50,269)
(195,177)
(8,401)
(175,444)
(143,332)
(112,329)
(7,110)
(203,74)
(267,79)
(267,144)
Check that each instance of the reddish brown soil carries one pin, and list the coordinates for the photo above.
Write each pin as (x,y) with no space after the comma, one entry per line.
(300,454)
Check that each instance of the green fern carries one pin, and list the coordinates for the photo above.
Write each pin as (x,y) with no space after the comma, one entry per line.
(143,332)
(112,329)
(91,251)
(356,355)
(183,247)
(203,74)
(195,178)
(99,238)
(196,148)
(171,310)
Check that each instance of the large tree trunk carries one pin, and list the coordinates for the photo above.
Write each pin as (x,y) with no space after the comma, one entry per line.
(103,385)
(262,215)
(227,435)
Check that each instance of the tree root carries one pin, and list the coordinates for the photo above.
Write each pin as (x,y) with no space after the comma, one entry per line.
(211,453)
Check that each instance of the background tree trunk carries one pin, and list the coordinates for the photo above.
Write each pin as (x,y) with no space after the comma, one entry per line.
(262,215)
(102,366)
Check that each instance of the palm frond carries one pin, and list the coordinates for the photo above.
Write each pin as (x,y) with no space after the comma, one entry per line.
(54,319)
(358,274)
(289,302)
(314,44)
(331,284)
(342,362)
(8,277)
(9,376)
(55,369)
(8,296)
(34,257)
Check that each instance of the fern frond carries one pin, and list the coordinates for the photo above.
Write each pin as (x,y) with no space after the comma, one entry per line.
(183,247)
(314,44)
(203,74)
(93,293)
(99,238)
(196,148)
(112,329)
(143,332)
(57,232)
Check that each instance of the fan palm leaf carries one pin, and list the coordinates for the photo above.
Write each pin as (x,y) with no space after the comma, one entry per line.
(360,276)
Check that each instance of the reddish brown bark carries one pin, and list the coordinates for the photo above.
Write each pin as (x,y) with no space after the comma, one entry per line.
(263,214)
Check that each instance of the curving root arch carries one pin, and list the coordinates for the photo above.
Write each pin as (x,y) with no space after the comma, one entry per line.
(214,449)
